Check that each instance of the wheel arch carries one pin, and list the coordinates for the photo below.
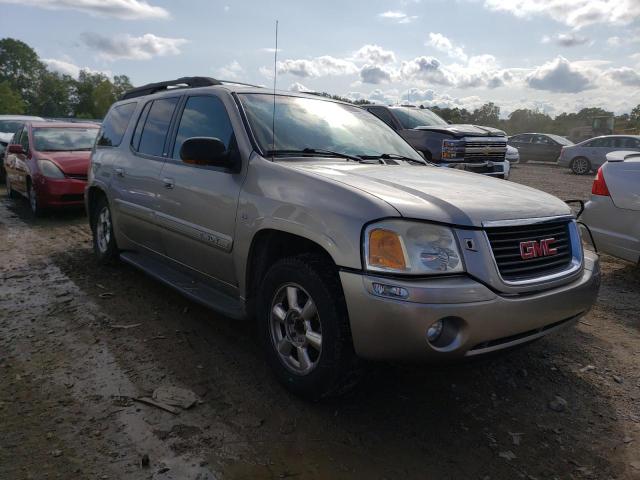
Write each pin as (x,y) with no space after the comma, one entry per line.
(269,245)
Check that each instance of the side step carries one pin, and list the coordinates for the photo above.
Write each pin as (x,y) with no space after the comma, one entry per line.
(187,285)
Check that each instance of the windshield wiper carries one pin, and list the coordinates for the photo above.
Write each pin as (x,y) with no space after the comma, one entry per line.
(392,156)
(313,151)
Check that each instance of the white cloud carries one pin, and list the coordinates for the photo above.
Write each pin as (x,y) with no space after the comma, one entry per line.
(443,44)
(560,75)
(426,69)
(123,9)
(132,48)
(231,71)
(69,68)
(573,13)
(624,76)
(374,54)
(566,39)
(298,87)
(397,16)
(375,74)
(317,67)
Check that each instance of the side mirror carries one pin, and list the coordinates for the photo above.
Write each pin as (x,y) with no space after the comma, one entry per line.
(15,148)
(207,151)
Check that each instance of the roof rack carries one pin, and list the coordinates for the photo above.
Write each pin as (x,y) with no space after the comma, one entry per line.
(188,82)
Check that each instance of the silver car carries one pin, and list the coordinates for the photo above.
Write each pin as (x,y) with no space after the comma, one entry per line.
(329,229)
(589,155)
(613,213)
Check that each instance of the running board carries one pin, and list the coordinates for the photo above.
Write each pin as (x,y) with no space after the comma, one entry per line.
(186,284)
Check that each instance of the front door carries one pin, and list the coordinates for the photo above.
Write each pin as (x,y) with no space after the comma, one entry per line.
(198,203)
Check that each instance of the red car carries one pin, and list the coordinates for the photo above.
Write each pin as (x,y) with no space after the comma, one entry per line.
(47,162)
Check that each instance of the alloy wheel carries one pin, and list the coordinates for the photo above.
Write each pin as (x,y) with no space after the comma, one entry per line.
(580,166)
(103,229)
(296,330)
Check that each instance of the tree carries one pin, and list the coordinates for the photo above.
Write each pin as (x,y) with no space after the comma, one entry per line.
(10,100)
(21,67)
(54,98)
(488,114)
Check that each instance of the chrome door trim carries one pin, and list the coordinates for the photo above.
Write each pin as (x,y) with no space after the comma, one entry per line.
(195,232)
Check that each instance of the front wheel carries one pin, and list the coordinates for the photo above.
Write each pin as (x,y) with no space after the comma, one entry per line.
(304,327)
(580,166)
(104,241)
(10,191)
(34,203)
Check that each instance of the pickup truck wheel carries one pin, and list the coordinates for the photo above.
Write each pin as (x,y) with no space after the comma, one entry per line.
(304,327)
(104,241)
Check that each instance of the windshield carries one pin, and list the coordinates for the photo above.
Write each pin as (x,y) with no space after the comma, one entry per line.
(10,126)
(414,117)
(561,140)
(306,123)
(64,139)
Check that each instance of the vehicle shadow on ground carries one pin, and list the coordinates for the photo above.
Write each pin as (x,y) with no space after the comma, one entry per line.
(55,217)
(498,417)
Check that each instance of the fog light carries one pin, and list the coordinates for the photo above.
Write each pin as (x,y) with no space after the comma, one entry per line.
(389,291)
(434,331)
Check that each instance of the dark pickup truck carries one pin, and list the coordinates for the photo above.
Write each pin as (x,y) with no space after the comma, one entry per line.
(465,147)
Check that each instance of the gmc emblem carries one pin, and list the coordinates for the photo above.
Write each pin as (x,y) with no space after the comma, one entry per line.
(534,249)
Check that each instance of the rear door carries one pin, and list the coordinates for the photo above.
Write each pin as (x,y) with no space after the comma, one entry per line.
(523,144)
(598,149)
(544,149)
(137,174)
(198,203)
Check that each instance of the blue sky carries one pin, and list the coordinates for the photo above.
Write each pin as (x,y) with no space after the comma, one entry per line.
(556,55)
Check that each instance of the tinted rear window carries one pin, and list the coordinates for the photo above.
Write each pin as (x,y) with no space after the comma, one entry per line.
(154,132)
(115,124)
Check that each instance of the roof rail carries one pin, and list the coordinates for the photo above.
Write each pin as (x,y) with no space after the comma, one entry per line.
(189,82)
(233,82)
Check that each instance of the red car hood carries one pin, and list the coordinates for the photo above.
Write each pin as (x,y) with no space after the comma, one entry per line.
(71,163)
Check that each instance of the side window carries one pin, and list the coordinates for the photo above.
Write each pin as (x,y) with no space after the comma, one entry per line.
(523,138)
(24,139)
(384,115)
(626,142)
(135,139)
(154,132)
(115,124)
(598,142)
(541,140)
(204,116)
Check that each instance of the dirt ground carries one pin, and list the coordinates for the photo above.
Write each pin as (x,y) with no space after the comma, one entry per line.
(69,372)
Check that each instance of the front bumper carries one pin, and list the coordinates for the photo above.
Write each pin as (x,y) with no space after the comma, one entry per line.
(491,169)
(60,192)
(481,319)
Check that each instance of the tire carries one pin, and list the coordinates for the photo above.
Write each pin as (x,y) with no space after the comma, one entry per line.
(580,166)
(10,191)
(330,366)
(32,196)
(104,240)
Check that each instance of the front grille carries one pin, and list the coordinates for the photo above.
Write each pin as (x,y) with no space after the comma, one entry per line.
(481,151)
(76,176)
(505,244)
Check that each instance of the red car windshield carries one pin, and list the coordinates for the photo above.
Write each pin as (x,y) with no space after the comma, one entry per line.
(64,139)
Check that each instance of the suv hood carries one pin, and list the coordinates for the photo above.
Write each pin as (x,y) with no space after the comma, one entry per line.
(71,163)
(465,130)
(441,194)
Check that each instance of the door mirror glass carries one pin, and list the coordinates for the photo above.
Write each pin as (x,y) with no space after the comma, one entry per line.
(207,151)
(16,148)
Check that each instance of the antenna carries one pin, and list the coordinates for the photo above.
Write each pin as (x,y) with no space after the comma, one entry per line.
(275,79)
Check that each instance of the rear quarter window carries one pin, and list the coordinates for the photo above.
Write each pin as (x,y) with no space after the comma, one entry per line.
(115,124)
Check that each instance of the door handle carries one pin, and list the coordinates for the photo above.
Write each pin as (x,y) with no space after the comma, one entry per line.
(168,183)
(119,172)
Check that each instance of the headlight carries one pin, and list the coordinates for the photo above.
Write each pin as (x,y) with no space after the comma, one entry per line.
(399,246)
(453,149)
(50,169)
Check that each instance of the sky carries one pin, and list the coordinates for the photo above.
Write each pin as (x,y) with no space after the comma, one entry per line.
(552,55)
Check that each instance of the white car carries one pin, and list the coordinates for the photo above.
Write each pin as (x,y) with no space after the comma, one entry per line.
(10,124)
(512,155)
(613,213)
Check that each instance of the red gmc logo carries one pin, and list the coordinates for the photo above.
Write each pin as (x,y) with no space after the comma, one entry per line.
(534,249)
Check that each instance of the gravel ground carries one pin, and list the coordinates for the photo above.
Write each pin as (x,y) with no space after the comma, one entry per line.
(78,342)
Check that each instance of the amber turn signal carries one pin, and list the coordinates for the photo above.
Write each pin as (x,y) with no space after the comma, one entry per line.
(385,250)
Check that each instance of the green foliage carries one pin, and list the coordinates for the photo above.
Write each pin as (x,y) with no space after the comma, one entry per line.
(10,100)
(30,88)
